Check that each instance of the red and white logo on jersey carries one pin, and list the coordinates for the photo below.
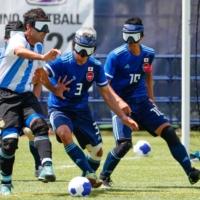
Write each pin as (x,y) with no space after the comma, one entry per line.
(145,67)
(90,76)
(90,69)
(146,59)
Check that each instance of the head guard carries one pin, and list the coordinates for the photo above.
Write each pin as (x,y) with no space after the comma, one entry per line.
(84,46)
(132,33)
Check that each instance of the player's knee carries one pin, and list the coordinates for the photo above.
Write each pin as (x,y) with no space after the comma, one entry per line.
(99,153)
(9,146)
(95,152)
(39,127)
(169,135)
(122,148)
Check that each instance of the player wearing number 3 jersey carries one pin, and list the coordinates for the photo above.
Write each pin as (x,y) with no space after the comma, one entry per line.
(128,70)
(73,113)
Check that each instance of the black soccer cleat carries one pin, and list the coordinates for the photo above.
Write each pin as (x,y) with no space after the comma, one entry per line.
(194,176)
(106,181)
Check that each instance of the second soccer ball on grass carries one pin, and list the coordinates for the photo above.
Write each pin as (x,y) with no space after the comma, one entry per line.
(142,148)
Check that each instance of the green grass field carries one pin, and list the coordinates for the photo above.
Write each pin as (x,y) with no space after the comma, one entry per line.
(156,177)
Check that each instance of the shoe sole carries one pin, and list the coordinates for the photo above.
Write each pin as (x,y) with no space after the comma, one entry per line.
(105,187)
(48,178)
(94,183)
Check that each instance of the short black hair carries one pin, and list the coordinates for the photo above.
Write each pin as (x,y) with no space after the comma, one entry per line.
(34,14)
(134,21)
(13,26)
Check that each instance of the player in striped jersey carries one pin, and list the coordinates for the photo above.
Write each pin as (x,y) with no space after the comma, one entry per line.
(128,69)
(73,114)
(19,107)
(11,29)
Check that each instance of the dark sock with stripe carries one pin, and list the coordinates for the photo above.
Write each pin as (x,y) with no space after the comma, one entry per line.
(7,163)
(77,155)
(35,154)
(111,162)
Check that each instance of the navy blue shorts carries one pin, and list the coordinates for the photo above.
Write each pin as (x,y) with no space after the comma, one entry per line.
(144,113)
(80,122)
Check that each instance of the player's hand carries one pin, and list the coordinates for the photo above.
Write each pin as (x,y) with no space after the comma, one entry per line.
(51,55)
(153,103)
(124,107)
(61,87)
(37,78)
(130,123)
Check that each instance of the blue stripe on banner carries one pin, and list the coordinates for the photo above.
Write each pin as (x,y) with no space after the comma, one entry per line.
(69,147)
(12,72)
(37,138)
(2,154)
(32,117)
(9,131)
(114,155)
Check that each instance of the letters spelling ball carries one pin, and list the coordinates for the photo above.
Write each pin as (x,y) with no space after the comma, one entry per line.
(79,186)
(142,148)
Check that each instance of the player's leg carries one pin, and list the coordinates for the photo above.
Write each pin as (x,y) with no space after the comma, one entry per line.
(34,119)
(122,135)
(155,122)
(179,153)
(88,136)
(94,156)
(62,125)
(7,158)
(38,166)
(10,118)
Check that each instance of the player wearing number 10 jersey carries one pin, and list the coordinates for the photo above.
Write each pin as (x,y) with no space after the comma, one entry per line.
(73,113)
(128,70)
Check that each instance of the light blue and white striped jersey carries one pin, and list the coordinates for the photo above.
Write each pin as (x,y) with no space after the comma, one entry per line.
(1,50)
(16,72)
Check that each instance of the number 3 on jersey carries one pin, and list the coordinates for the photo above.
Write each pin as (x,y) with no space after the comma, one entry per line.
(78,89)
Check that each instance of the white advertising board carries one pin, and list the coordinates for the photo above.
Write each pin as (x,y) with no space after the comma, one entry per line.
(66,16)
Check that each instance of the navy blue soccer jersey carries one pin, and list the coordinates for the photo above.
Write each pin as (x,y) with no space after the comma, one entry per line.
(127,72)
(83,77)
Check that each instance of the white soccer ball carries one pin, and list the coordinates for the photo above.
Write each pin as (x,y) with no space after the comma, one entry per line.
(142,148)
(79,186)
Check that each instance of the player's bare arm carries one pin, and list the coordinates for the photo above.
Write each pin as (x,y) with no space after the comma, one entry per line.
(23,52)
(113,105)
(37,89)
(122,104)
(149,87)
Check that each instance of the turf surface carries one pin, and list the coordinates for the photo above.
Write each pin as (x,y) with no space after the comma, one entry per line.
(157,177)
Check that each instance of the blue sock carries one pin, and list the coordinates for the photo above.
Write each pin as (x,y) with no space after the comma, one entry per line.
(77,155)
(35,154)
(94,164)
(180,154)
(111,162)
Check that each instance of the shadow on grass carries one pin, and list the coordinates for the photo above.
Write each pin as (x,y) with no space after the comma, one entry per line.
(60,181)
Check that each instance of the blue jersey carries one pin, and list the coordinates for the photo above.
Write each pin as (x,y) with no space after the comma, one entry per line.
(127,72)
(83,77)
